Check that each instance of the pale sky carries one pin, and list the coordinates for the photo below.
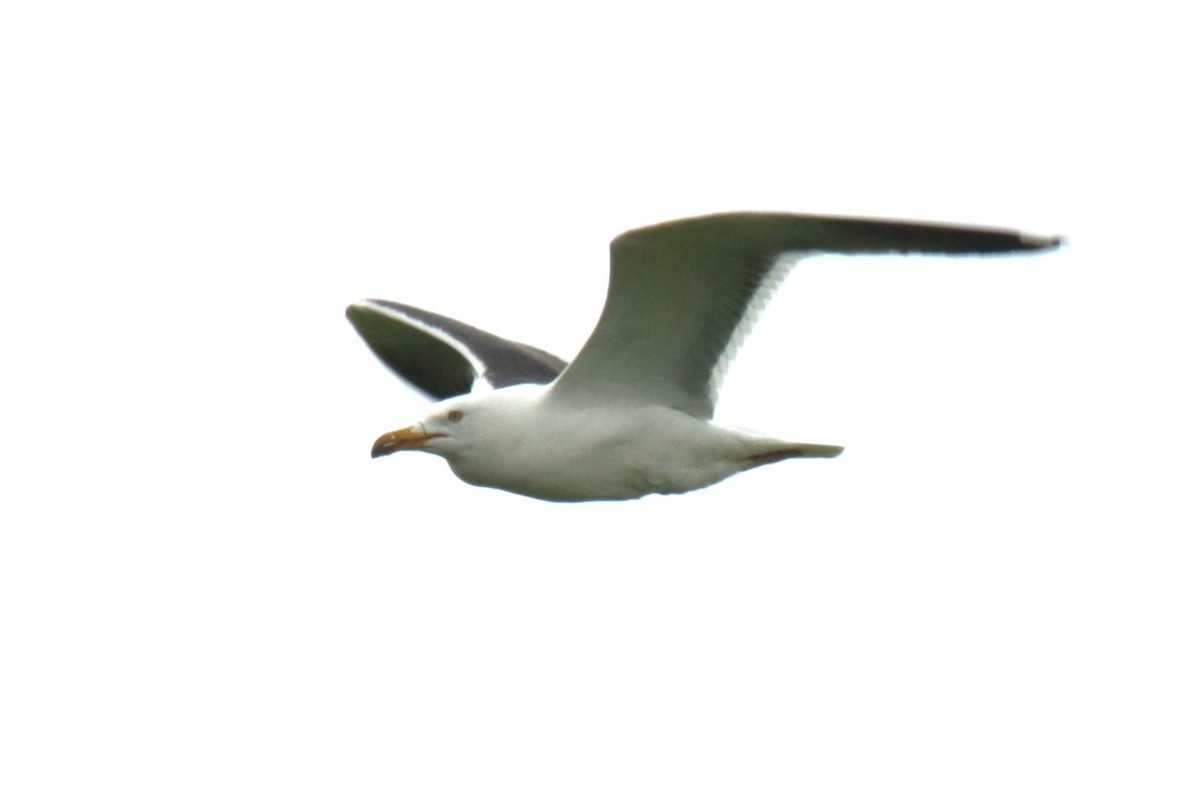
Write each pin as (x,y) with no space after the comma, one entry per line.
(208,589)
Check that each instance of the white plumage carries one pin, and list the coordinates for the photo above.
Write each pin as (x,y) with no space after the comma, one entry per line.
(630,415)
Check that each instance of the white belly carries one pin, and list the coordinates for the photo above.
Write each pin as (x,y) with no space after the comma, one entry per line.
(610,454)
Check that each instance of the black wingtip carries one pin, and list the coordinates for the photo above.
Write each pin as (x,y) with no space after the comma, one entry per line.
(357,309)
(1034,242)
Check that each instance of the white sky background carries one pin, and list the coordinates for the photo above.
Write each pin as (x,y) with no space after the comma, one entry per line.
(207,588)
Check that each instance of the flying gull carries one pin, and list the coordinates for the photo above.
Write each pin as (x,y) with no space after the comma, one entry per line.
(631,414)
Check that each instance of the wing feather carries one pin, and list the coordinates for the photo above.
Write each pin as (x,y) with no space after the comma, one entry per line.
(442,357)
(681,294)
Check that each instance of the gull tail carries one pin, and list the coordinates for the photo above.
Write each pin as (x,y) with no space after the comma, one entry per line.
(794,451)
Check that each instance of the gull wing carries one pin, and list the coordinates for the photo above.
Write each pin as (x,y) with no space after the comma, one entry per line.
(682,295)
(443,357)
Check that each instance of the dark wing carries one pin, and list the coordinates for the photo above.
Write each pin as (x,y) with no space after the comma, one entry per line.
(682,294)
(443,357)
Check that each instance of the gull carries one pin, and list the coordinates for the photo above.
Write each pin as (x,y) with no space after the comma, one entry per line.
(631,415)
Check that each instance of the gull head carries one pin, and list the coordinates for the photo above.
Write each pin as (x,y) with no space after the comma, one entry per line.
(460,425)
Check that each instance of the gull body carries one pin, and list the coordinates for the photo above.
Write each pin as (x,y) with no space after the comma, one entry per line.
(631,414)
(512,439)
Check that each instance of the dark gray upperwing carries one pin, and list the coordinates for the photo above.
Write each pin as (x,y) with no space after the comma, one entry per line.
(682,294)
(443,357)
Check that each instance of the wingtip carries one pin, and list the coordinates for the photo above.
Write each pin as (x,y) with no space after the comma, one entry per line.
(1036,242)
(361,308)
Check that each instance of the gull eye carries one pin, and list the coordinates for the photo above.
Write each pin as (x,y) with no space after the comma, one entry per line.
(454,416)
